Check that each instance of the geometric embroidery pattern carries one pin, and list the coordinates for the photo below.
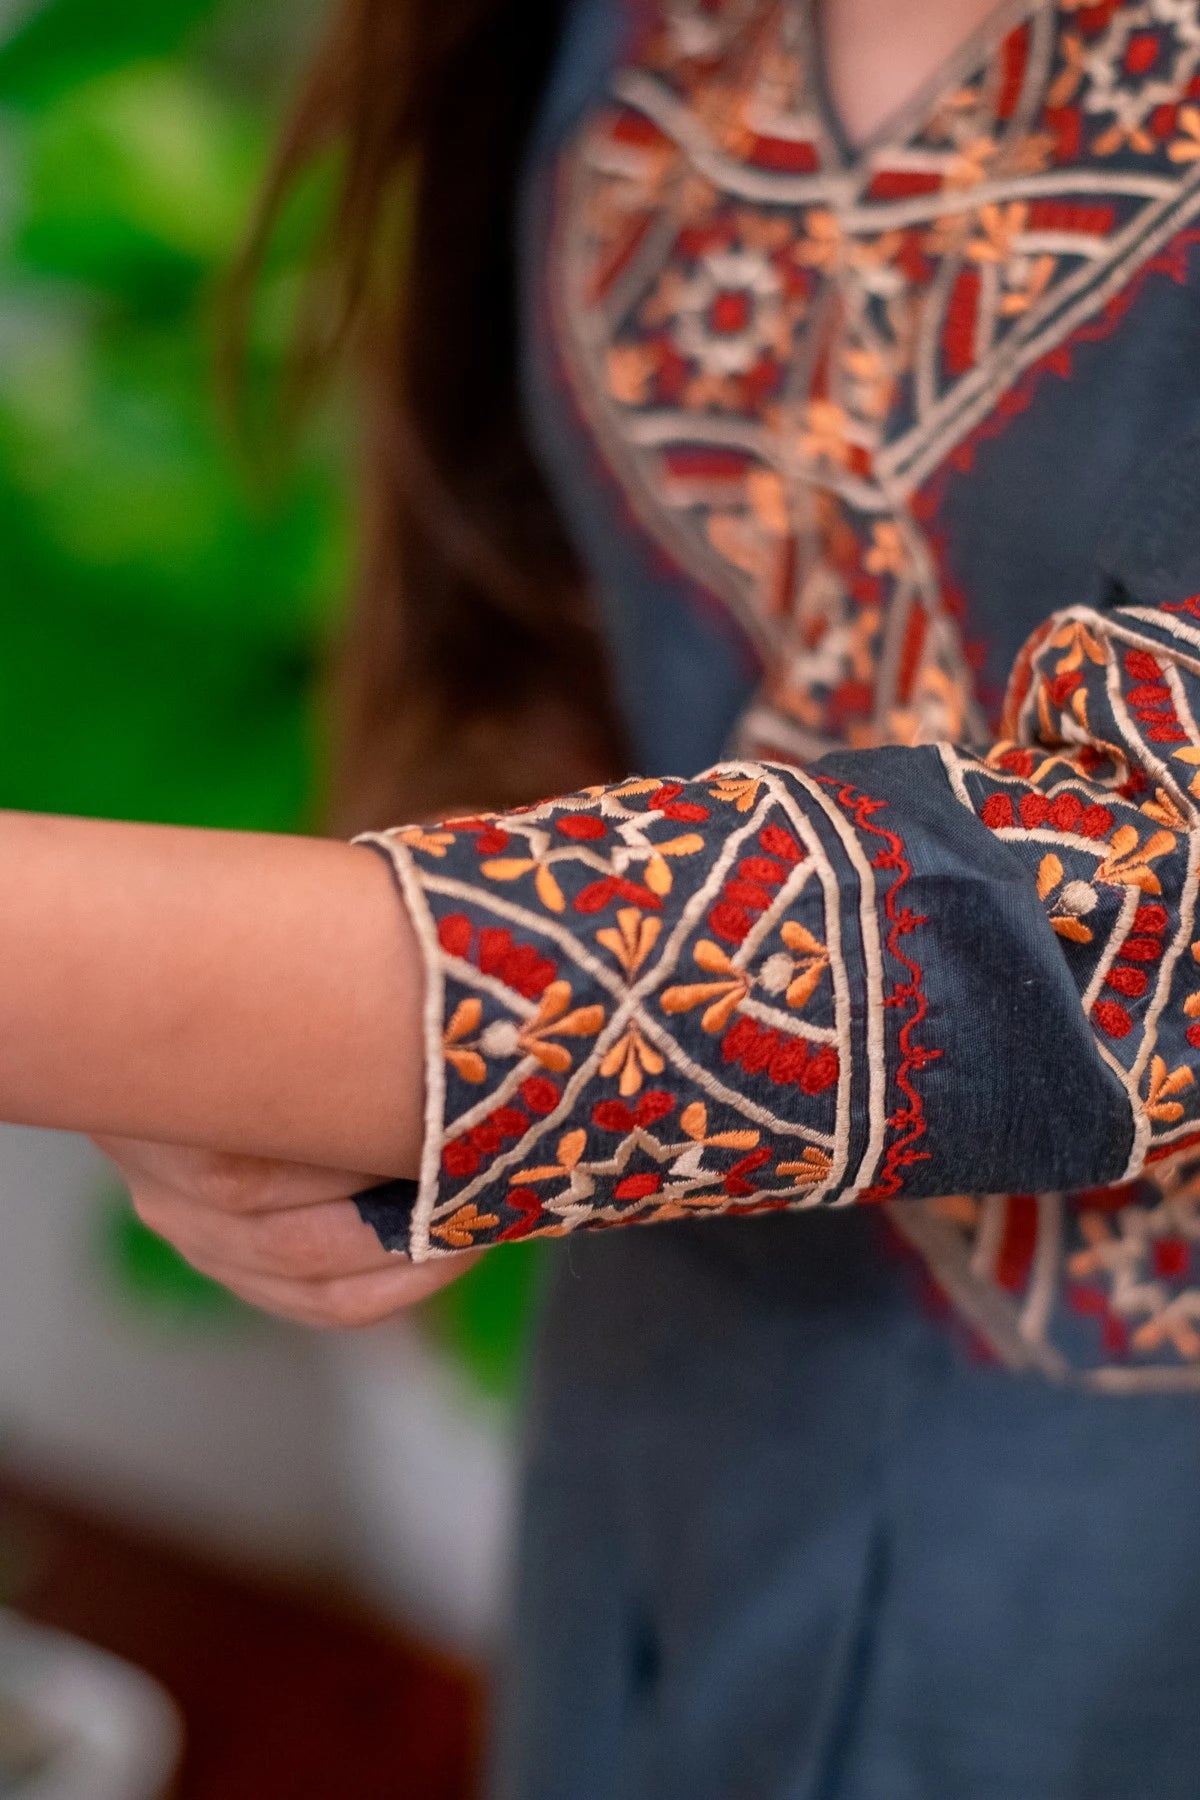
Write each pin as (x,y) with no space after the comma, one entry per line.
(666,999)
(778,343)
(655,1000)
(1106,1282)
(1102,1286)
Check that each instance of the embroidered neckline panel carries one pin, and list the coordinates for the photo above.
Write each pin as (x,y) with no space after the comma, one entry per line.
(782,346)
(779,349)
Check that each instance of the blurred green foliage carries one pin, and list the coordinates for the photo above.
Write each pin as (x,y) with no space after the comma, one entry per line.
(164,612)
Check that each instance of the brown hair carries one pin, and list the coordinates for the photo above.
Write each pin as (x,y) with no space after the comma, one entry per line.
(470,674)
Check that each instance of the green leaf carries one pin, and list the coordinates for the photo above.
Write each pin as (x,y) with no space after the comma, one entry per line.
(61,43)
(116,463)
(143,175)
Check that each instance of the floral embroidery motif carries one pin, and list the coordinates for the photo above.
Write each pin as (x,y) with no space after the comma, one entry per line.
(659,1094)
(1103,1286)
(615,1054)
(664,999)
(777,345)
(1119,888)
(1104,1280)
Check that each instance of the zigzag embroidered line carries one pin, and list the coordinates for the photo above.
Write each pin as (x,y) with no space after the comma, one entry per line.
(913,1056)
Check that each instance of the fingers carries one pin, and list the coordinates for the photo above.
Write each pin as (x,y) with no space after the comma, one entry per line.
(307,1243)
(283,1237)
(230,1184)
(346,1302)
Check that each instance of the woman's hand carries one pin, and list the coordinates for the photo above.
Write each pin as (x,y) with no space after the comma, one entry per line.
(283,1236)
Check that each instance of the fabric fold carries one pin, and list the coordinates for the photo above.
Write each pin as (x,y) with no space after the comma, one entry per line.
(903,972)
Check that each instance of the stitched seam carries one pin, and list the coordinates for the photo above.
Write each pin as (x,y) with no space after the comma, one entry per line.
(909,1120)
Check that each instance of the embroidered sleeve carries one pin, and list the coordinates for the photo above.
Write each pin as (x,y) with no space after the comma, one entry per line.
(901,972)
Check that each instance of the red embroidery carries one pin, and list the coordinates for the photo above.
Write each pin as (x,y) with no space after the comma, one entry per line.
(777,841)
(637,1187)
(1112,1019)
(1172,261)
(908,1120)
(664,800)
(782,1059)
(615,1115)
(540,1094)
(599,894)
(1019,1241)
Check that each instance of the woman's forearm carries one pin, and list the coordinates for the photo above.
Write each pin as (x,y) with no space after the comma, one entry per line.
(232,990)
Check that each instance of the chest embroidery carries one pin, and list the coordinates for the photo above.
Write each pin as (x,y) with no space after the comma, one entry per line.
(778,344)
(1119,1261)
(781,347)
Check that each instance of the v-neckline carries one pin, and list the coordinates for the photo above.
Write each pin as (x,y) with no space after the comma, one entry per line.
(968,58)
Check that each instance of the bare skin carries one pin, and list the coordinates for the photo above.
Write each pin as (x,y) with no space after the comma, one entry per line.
(282,1236)
(879,53)
(236,1018)
(252,1000)
(226,990)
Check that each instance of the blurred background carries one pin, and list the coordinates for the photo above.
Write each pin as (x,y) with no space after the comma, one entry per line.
(301,1539)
